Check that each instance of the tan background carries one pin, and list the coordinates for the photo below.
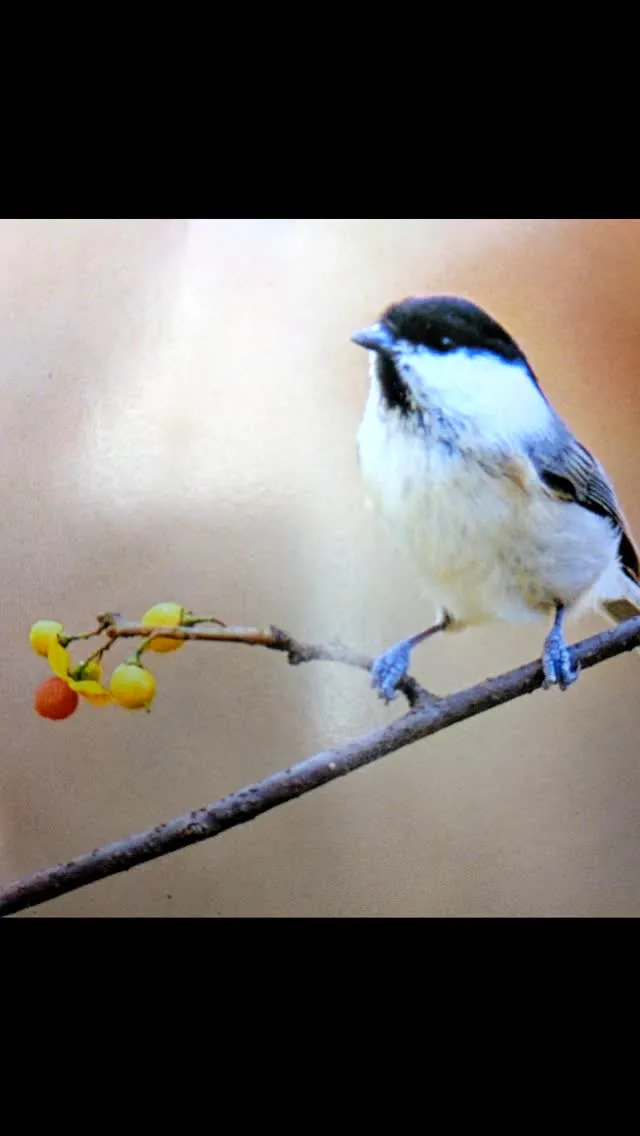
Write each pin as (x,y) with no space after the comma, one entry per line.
(180,401)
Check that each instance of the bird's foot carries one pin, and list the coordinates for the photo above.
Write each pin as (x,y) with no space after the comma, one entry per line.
(390,668)
(556,661)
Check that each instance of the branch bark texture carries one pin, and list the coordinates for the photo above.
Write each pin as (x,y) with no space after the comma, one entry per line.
(426,717)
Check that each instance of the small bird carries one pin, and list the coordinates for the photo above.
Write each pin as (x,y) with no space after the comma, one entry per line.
(505,514)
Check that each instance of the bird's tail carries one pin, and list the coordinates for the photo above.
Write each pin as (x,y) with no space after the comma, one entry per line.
(625,607)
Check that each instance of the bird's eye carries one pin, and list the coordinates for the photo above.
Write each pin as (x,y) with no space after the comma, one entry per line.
(446,342)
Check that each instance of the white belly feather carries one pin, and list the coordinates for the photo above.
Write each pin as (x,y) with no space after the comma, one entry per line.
(485,546)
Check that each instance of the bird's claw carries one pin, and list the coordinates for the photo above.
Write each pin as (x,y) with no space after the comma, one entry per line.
(389,669)
(556,662)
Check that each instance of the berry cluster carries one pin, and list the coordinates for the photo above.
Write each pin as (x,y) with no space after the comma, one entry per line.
(131,685)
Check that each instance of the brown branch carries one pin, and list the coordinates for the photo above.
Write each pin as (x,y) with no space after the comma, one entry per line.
(245,804)
(273,638)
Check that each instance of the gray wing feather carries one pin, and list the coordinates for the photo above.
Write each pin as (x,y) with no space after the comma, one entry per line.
(573,474)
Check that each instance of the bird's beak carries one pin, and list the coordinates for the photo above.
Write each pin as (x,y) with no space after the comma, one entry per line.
(374,338)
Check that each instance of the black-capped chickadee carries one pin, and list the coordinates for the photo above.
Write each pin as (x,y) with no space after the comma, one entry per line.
(505,514)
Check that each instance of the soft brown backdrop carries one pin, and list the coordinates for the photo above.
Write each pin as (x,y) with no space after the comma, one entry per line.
(180,401)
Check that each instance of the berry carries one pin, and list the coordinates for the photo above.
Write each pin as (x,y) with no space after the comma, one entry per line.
(133,686)
(55,699)
(43,634)
(91,670)
(164,615)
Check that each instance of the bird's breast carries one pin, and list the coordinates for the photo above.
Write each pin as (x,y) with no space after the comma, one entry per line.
(436,502)
(488,540)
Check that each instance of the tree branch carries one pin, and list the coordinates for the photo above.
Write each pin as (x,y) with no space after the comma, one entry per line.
(271,637)
(428,717)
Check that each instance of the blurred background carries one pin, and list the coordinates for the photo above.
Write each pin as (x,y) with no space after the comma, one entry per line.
(180,401)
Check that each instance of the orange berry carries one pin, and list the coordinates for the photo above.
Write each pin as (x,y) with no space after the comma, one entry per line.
(54,699)
(164,615)
(133,686)
(43,634)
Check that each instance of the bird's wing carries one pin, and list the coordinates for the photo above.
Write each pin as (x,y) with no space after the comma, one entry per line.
(571,473)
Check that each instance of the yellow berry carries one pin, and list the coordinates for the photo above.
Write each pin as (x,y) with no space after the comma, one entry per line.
(43,634)
(164,615)
(132,686)
(91,670)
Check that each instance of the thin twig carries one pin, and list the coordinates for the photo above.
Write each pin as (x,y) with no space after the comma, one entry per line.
(276,640)
(286,784)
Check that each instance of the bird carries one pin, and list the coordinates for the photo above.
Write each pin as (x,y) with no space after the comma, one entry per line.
(481,483)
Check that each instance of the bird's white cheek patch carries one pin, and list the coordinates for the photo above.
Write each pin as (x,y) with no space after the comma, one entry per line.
(498,398)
